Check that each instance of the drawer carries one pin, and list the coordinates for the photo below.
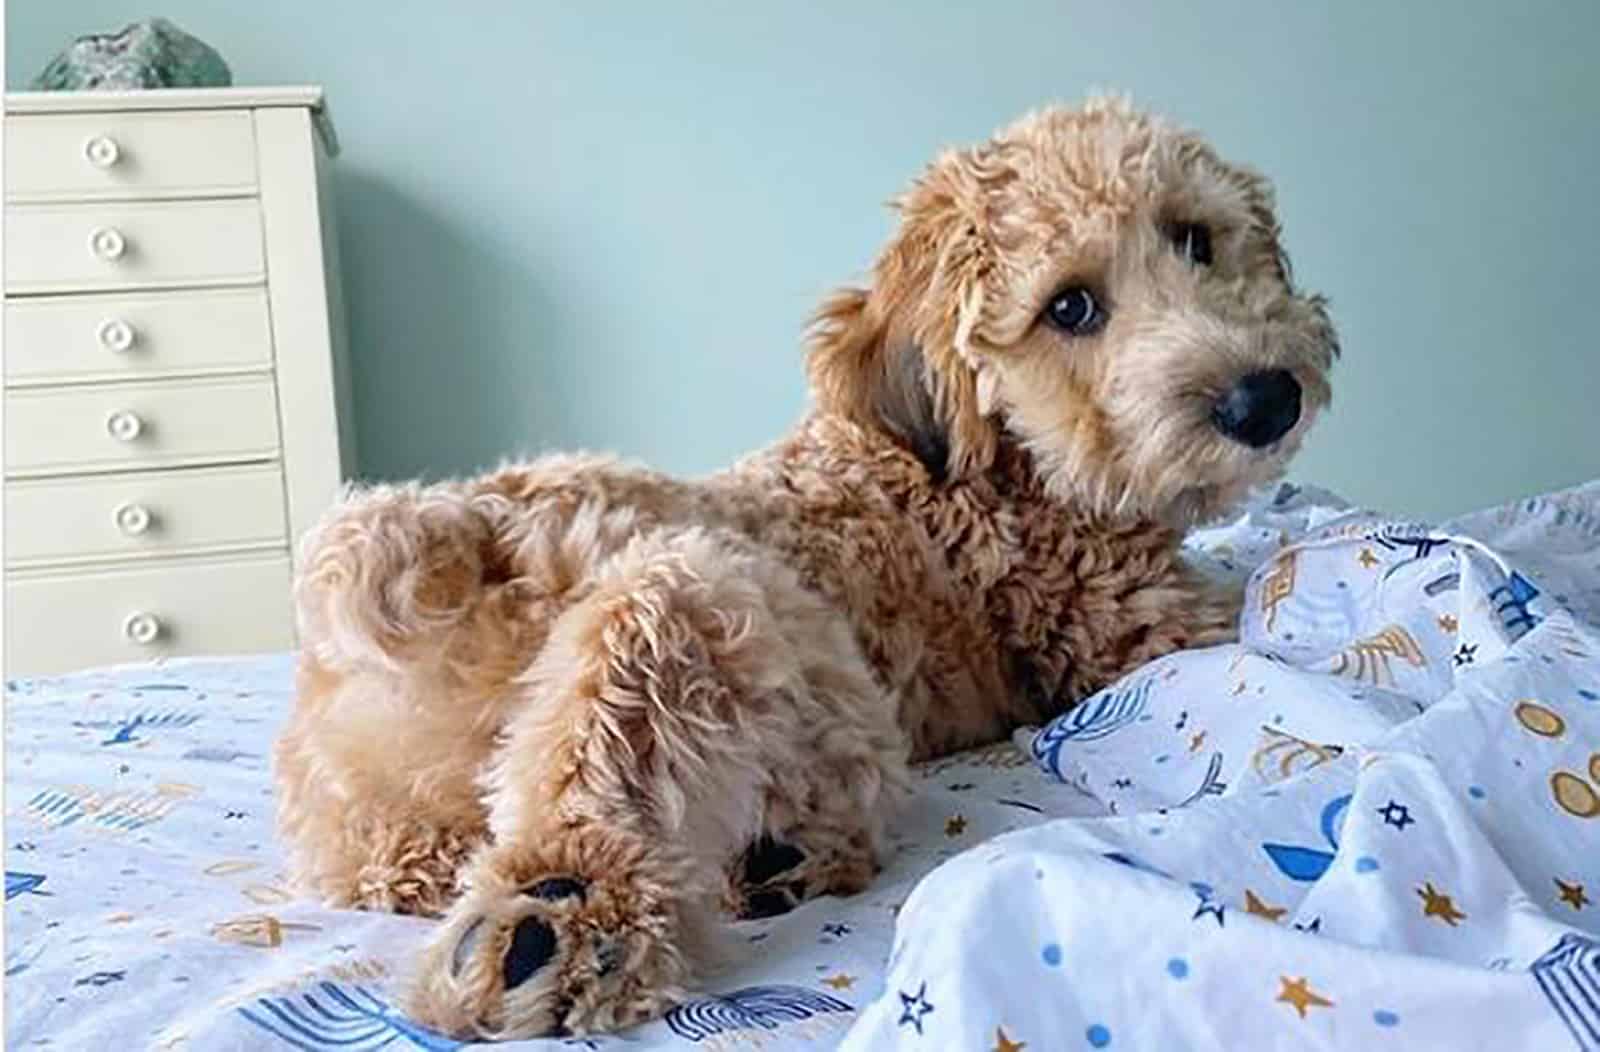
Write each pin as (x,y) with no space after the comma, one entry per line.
(69,339)
(85,248)
(112,427)
(57,622)
(144,513)
(84,156)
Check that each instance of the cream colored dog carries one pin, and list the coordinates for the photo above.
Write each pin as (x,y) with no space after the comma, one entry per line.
(587,711)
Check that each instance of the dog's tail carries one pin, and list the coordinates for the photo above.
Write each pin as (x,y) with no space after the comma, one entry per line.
(389,571)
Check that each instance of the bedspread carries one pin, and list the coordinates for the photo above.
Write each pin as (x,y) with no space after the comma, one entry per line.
(1373,823)
(147,907)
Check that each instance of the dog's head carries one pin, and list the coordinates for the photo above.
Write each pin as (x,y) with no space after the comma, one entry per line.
(1101,290)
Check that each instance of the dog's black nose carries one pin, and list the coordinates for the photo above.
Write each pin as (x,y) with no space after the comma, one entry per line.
(1260,409)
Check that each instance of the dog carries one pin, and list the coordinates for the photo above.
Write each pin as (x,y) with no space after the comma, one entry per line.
(587,711)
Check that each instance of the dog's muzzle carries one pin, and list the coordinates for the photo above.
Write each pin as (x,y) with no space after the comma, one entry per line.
(1260,409)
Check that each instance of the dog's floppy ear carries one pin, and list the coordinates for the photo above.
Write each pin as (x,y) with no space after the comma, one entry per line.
(896,357)
(858,373)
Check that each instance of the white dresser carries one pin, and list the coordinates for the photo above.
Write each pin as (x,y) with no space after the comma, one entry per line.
(175,385)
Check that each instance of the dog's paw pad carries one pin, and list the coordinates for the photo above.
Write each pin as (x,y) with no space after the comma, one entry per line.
(533,943)
(550,889)
(767,858)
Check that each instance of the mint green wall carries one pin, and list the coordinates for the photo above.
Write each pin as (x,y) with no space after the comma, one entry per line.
(606,229)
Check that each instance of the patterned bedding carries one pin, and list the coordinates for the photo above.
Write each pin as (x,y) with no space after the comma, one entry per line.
(146,906)
(1242,895)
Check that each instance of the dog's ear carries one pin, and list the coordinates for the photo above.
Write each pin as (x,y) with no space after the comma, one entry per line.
(858,373)
(897,356)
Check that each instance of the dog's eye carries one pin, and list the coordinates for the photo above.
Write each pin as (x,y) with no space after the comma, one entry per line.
(1193,242)
(1075,311)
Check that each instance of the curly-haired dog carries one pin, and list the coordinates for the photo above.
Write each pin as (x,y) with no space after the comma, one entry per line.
(586,710)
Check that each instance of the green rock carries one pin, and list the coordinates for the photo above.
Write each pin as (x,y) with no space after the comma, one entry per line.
(151,54)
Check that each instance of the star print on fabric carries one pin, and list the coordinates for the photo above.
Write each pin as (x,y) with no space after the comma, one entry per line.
(1257,908)
(1465,654)
(914,1007)
(1122,783)
(1397,815)
(1197,741)
(1448,623)
(1208,905)
(1437,904)
(1298,994)
(1002,1043)
(840,981)
(961,787)
(1313,928)
(1572,894)
(1367,559)
(836,930)
(955,825)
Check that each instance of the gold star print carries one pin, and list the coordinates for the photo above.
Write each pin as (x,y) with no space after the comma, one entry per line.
(1436,903)
(1002,1043)
(1367,559)
(1197,741)
(840,981)
(1448,623)
(955,825)
(1255,906)
(1297,992)
(1572,894)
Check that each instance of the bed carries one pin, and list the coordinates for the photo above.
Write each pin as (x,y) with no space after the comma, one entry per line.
(1383,805)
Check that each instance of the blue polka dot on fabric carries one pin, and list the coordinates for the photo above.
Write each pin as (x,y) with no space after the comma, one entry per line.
(1383,1017)
(1366,864)
(1098,1036)
(1588,695)
(1051,954)
(1475,791)
(1178,968)
(1163,758)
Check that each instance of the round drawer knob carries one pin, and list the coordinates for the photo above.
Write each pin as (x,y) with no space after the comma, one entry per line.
(132,519)
(124,425)
(141,628)
(102,151)
(107,243)
(115,335)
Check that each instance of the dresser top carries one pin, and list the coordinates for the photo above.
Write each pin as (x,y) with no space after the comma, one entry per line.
(304,96)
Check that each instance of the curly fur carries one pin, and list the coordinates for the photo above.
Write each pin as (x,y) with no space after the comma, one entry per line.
(562,701)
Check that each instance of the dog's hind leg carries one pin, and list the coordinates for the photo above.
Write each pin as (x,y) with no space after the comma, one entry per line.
(390,571)
(694,680)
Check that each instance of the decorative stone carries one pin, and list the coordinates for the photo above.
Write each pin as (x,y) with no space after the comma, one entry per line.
(150,54)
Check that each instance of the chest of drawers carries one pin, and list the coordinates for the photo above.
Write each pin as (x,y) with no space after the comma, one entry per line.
(175,382)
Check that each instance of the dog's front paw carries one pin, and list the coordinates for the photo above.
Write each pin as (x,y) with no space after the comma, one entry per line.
(555,955)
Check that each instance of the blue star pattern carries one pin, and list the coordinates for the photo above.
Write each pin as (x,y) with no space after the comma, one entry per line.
(1208,906)
(1397,815)
(914,1007)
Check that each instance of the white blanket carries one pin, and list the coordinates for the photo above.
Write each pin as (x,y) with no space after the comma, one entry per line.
(1375,823)
(147,908)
